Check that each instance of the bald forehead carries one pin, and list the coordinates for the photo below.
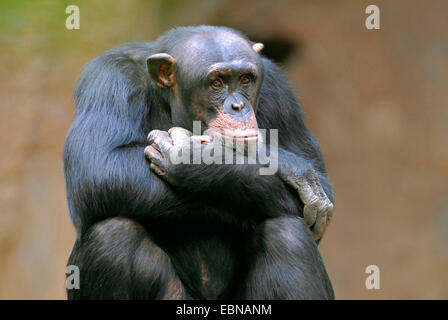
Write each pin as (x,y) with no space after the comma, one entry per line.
(217,47)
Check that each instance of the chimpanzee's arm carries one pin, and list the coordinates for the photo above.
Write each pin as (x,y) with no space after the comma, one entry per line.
(240,185)
(106,172)
(301,163)
(106,181)
(260,193)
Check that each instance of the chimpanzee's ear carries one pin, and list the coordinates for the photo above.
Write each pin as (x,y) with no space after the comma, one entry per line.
(258,47)
(161,69)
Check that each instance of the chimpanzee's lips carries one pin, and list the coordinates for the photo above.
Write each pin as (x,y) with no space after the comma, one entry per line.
(245,135)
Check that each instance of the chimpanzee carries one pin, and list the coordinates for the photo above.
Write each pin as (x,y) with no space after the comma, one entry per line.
(148,228)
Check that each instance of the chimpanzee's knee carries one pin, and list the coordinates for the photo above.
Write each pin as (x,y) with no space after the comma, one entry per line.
(118,260)
(286,257)
(288,235)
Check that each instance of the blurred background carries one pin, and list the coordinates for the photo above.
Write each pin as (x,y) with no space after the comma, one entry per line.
(377,100)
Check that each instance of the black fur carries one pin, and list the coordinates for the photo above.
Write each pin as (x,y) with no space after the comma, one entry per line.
(230,233)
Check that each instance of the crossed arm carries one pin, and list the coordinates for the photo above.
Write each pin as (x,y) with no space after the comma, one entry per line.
(239,180)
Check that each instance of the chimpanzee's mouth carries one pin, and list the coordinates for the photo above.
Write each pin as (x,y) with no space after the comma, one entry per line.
(246,135)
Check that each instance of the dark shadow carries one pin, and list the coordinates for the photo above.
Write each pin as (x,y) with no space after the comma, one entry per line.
(278,49)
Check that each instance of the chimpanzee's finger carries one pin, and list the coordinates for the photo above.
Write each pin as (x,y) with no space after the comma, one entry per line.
(155,135)
(152,135)
(162,139)
(313,181)
(305,191)
(321,225)
(325,207)
(330,213)
(308,197)
(153,155)
(180,136)
(310,213)
(156,169)
(180,130)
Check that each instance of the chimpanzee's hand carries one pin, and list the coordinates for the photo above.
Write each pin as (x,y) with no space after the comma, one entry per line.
(318,209)
(165,146)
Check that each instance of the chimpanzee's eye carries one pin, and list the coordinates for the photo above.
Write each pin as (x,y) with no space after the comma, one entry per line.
(245,79)
(217,84)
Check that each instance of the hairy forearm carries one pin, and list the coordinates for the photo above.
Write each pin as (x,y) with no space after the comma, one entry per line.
(294,163)
(114,183)
(244,186)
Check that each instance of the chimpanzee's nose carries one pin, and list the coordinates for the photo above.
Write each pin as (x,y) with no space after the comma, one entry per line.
(238,106)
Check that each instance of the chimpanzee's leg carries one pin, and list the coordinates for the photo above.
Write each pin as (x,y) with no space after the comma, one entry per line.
(118,260)
(284,263)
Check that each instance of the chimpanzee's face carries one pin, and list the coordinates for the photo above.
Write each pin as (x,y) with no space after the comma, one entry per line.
(226,97)
(225,86)
(216,80)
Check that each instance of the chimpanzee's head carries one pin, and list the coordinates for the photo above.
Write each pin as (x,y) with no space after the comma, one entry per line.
(214,76)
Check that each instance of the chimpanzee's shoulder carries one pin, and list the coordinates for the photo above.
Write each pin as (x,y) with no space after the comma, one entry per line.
(124,65)
(134,50)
